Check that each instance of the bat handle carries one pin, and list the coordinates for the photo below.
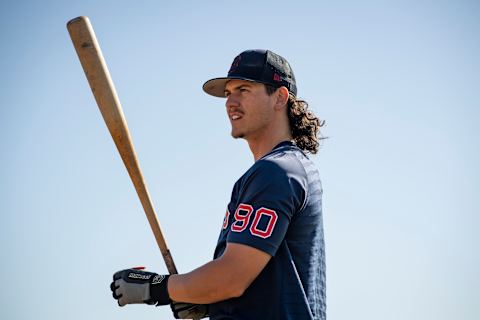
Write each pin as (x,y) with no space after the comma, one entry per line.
(167,257)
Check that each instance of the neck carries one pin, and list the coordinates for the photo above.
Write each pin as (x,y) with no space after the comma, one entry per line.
(260,147)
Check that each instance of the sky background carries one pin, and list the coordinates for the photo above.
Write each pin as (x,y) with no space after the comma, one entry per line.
(398,83)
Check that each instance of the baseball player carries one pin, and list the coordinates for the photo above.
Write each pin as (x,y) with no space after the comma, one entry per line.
(269,262)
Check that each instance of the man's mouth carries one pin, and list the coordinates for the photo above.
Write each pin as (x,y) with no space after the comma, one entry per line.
(235,116)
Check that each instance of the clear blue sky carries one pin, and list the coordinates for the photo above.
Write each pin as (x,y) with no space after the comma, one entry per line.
(398,83)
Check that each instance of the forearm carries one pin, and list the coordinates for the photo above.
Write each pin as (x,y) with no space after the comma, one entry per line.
(224,278)
(209,283)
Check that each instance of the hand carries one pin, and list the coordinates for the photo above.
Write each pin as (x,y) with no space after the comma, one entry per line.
(131,286)
(182,310)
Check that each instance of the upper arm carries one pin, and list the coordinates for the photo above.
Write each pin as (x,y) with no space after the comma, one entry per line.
(265,206)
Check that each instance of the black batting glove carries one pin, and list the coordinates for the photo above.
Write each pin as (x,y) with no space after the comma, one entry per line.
(182,310)
(132,286)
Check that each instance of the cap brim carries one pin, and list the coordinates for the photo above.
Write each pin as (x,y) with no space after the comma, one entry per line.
(216,86)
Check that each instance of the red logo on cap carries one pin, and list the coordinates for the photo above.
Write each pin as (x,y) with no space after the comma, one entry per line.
(276,77)
(235,64)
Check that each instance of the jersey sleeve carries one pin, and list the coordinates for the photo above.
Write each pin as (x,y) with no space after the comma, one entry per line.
(266,203)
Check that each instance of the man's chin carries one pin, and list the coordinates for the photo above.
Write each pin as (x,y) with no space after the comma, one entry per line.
(237,135)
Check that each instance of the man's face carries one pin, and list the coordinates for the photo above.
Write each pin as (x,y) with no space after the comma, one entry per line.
(249,108)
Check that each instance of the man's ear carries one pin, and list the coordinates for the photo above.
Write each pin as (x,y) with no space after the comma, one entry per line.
(282,97)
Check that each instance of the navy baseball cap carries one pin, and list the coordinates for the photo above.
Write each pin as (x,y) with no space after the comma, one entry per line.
(261,66)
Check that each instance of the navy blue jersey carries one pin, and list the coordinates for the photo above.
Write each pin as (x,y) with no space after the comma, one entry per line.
(276,207)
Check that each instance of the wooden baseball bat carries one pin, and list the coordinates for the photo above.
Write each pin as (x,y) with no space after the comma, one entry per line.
(93,63)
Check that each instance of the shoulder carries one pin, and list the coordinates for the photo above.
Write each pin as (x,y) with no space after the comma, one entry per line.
(279,168)
(287,162)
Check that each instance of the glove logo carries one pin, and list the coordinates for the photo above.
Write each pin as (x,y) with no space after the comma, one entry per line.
(133,275)
(158,279)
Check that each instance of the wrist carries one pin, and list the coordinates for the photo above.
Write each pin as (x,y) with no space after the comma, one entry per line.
(159,290)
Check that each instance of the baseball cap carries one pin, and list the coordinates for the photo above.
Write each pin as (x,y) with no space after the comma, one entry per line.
(263,66)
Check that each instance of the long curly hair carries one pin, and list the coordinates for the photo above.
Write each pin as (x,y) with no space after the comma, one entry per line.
(304,125)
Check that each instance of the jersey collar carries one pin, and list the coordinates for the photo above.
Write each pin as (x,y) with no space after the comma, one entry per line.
(282,144)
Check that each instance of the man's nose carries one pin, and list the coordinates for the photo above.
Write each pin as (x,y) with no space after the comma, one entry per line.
(231,102)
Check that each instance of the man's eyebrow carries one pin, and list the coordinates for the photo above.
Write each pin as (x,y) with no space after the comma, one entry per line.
(240,86)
